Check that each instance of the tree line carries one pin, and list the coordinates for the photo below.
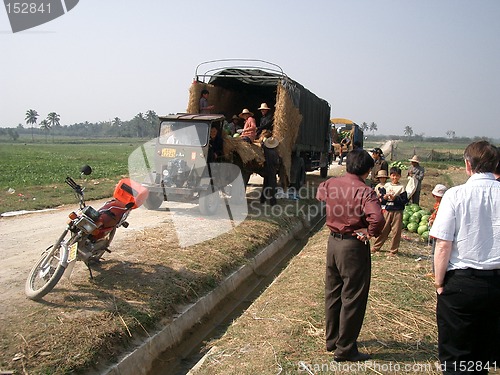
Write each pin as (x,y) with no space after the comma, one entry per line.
(143,125)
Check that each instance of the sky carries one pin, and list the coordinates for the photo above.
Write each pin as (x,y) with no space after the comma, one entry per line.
(433,65)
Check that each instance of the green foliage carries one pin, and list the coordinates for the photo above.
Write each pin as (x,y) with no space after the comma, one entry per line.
(344,134)
(34,174)
(401,164)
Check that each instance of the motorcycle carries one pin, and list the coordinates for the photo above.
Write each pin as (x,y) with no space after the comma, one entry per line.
(87,236)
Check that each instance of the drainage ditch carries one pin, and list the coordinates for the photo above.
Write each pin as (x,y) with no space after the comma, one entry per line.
(178,347)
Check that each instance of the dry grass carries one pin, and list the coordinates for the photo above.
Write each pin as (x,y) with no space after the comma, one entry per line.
(284,328)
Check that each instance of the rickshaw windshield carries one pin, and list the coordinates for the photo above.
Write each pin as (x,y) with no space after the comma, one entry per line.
(184,133)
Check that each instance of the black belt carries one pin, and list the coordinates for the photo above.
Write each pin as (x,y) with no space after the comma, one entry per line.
(343,236)
(474,272)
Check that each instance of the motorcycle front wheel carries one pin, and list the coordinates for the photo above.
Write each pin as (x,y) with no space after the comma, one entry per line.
(48,270)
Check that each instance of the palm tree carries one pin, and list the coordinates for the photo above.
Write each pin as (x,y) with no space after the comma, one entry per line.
(408,131)
(117,122)
(373,127)
(44,125)
(53,119)
(364,126)
(31,117)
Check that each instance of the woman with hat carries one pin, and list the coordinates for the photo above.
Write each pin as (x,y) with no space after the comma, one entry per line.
(249,132)
(266,121)
(417,172)
(380,164)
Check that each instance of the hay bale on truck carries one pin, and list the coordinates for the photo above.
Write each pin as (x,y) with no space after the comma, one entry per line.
(301,119)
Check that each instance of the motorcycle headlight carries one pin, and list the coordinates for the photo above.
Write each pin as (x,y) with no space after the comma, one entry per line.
(91,213)
(86,224)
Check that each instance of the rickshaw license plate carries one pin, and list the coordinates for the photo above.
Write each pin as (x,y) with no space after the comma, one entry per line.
(72,252)
(168,152)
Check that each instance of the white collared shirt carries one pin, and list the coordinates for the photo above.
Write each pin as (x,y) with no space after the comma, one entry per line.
(469,216)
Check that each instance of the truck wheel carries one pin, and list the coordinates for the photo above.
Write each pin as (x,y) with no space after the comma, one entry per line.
(153,201)
(323,172)
(209,202)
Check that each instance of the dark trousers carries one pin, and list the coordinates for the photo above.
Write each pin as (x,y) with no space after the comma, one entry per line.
(347,282)
(415,198)
(269,187)
(468,314)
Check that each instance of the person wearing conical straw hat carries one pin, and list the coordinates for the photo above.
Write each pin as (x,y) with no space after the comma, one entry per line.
(416,171)
(271,167)
(266,121)
(382,177)
(249,132)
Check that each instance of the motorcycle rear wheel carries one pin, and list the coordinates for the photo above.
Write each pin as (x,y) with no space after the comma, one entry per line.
(48,270)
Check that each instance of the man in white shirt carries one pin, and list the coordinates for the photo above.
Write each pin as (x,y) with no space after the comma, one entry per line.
(467,266)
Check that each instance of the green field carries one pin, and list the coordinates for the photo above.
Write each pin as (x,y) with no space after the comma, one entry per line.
(37,171)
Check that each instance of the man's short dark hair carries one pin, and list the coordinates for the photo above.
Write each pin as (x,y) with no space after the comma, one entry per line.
(395,170)
(482,156)
(359,162)
(204,91)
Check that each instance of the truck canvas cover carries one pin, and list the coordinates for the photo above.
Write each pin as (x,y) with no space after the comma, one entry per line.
(301,119)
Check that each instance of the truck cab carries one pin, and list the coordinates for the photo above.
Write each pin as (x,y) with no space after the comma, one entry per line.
(183,167)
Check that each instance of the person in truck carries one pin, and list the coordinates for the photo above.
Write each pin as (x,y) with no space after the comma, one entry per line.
(204,107)
(266,121)
(249,132)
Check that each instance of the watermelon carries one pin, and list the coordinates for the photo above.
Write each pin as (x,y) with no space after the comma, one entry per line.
(414,207)
(421,229)
(425,236)
(412,227)
(406,216)
(425,218)
(416,217)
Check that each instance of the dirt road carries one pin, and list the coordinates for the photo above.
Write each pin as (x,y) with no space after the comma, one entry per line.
(24,237)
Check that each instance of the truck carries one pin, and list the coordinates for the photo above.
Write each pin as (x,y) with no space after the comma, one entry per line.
(301,124)
(342,128)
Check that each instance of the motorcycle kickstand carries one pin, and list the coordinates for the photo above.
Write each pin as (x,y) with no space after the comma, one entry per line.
(90,271)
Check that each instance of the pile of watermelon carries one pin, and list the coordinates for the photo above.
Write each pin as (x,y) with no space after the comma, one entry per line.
(416,220)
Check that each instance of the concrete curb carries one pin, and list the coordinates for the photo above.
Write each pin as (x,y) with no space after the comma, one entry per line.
(139,361)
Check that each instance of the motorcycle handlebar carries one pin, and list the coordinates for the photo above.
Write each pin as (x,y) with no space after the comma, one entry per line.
(77,188)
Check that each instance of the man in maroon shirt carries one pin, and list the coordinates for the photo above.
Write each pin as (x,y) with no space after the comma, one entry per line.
(353,215)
